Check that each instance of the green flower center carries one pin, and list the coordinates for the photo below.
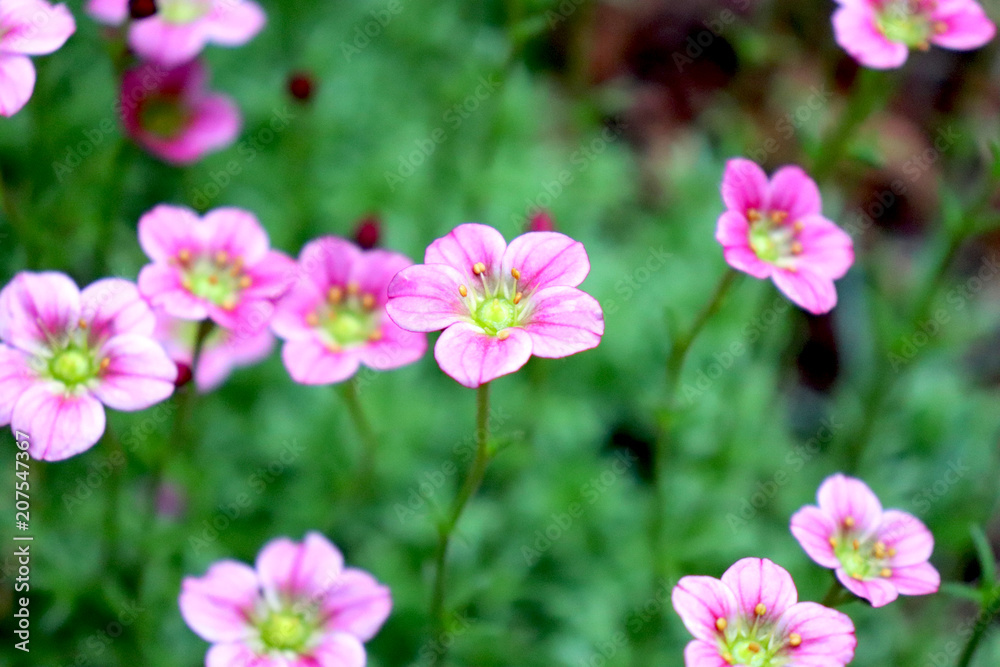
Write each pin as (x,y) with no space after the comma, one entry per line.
(285,631)
(862,559)
(347,317)
(495,314)
(752,652)
(72,367)
(773,238)
(163,116)
(905,21)
(218,280)
(183,11)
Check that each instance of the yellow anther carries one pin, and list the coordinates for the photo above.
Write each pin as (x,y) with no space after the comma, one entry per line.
(856,544)
(334,294)
(516,274)
(779,216)
(352,288)
(184,256)
(375,335)
(796,248)
(229,303)
(879,550)
(518,297)
(940,27)
(885,572)
(368,301)
(753,215)
(463,290)
(504,335)
(237,266)
(213,279)
(221,257)
(849,522)
(333,347)
(479,268)
(798,226)
(753,647)
(794,639)
(833,542)
(892,551)
(720,624)
(728,657)
(245,282)
(82,323)
(186,283)
(760,609)
(857,576)
(312,319)
(105,362)
(924,46)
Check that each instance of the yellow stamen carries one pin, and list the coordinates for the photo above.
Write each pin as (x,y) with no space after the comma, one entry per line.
(213,279)
(796,248)
(82,324)
(312,319)
(229,303)
(760,609)
(368,301)
(779,216)
(753,215)
(879,550)
(856,544)
(244,282)
(105,362)
(728,657)
(892,551)
(516,274)
(720,624)
(849,522)
(463,290)
(504,335)
(833,542)
(518,297)
(798,226)
(375,335)
(856,576)
(184,256)
(221,258)
(237,266)
(479,268)
(753,647)
(885,572)
(352,288)
(186,283)
(940,27)
(333,347)
(794,639)
(924,46)
(334,294)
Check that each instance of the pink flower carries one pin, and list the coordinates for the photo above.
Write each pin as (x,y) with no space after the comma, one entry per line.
(753,617)
(333,319)
(498,304)
(776,230)
(219,266)
(27,28)
(880,33)
(877,554)
(223,351)
(65,352)
(170,114)
(298,607)
(180,29)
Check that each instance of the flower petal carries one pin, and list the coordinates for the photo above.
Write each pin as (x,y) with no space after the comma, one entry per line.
(160,284)
(908,536)
(312,362)
(167,230)
(35,28)
(732,229)
(167,43)
(397,347)
(827,250)
(855,31)
(791,190)
(236,655)
(271,277)
(375,271)
(472,358)
(760,581)
(289,320)
(38,307)
(813,528)
(744,186)
(703,654)
(328,262)
(467,245)
(966,25)
(59,425)
(236,232)
(113,306)
(215,123)
(337,650)
(234,22)
(545,259)
(356,604)
(743,258)
(218,605)
(139,373)
(564,321)
(15,378)
(879,591)
(111,12)
(843,497)
(425,298)
(309,569)
(827,635)
(701,602)
(921,579)
(808,290)
(218,361)
(17,82)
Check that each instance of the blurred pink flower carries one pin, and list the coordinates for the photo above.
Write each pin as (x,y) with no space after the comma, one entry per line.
(223,351)
(498,304)
(298,606)
(65,352)
(219,266)
(180,29)
(333,319)
(776,230)
(27,28)
(753,617)
(880,33)
(169,113)
(877,555)
(541,221)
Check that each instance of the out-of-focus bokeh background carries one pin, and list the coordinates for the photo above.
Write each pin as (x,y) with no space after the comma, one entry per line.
(617,118)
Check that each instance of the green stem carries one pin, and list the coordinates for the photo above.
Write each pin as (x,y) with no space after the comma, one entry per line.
(837,595)
(447,528)
(369,441)
(986,615)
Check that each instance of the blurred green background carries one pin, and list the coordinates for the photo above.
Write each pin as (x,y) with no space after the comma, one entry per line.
(636,105)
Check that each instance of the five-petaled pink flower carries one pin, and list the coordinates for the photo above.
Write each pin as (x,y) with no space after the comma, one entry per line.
(777,230)
(880,33)
(27,28)
(498,304)
(223,350)
(333,319)
(753,617)
(64,352)
(180,29)
(219,266)
(298,607)
(170,113)
(878,555)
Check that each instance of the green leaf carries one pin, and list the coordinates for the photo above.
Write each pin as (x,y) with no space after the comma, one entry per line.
(962,591)
(987,560)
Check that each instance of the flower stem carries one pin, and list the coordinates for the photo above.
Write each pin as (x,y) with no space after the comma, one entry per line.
(986,614)
(447,528)
(369,441)
(837,595)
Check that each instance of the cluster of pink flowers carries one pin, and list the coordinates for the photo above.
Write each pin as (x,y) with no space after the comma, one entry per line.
(752,616)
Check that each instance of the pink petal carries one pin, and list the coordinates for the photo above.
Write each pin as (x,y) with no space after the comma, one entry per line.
(732,229)
(466,246)
(113,306)
(236,655)
(921,579)
(17,82)
(289,321)
(855,31)
(215,123)
(908,536)
(306,570)
(701,602)
(166,43)
(806,289)
(703,654)
(813,528)
(545,259)
(232,23)
(60,425)
(426,298)
(35,28)
(236,232)
(235,351)
(792,191)
(312,362)
(879,592)
(139,373)
(271,277)
(16,377)
(968,26)
(760,581)
(218,605)
(743,258)
(827,250)
(827,635)
(161,285)
(328,261)
(744,186)
(338,650)
(396,348)
(36,308)
(841,497)
(357,604)
(564,321)
(473,358)
(111,12)
(375,271)
(167,230)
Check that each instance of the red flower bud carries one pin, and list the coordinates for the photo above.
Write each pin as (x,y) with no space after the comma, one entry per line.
(368,231)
